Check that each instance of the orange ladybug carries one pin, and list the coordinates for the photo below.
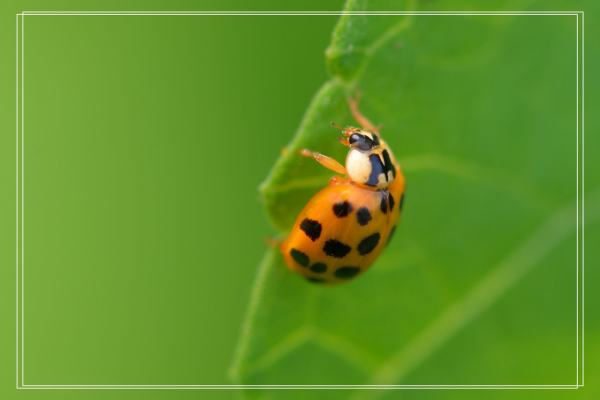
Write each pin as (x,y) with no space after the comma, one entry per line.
(342,230)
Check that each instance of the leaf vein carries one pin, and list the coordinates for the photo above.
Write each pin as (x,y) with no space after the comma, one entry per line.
(500,279)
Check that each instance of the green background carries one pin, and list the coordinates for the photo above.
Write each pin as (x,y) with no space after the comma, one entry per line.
(146,140)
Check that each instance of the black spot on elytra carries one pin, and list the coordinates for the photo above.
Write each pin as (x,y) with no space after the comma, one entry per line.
(347,272)
(319,268)
(363,216)
(300,257)
(392,202)
(392,231)
(315,280)
(312,228)
(342,209)
(383,205)
(401,202)
(335,248)
(368,244)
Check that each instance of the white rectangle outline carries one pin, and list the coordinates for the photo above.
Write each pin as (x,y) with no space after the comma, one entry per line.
(20,276)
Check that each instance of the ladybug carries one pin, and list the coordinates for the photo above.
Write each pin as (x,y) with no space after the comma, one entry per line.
(342,230)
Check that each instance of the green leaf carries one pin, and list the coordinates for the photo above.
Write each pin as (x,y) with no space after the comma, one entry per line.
(479,281)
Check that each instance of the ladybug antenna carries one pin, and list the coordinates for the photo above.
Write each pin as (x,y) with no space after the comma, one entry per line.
(337,126)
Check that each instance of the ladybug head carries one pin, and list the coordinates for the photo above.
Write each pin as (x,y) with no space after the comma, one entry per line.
(359,139)
(362,140)
(369,161)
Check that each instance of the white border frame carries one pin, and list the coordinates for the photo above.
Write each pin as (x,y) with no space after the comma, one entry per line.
(20,196)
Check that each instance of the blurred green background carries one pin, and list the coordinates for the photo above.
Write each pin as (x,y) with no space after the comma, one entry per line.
(146,139)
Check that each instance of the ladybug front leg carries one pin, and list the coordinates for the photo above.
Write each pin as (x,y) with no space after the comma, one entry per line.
(356,114)
(325,161)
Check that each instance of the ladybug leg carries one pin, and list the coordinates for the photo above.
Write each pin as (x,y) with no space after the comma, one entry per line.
(325,161)
(356,114)
(273,242)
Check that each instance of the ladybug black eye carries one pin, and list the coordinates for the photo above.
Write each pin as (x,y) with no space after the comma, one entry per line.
(360,142)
